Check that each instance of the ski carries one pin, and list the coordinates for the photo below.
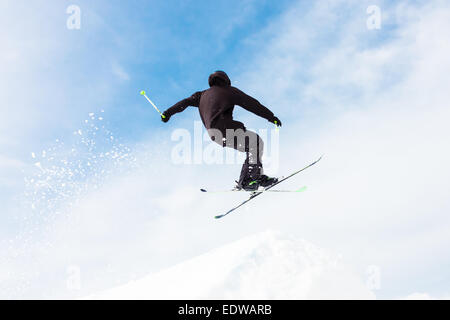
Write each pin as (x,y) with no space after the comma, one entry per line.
(251,192)
(257,193)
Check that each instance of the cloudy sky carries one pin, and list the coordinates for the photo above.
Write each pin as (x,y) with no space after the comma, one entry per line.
(373,101)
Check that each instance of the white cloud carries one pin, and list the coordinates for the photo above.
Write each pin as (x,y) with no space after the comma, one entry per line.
(120,72)
(47,81)
(378,111)
(424,296)
(8,162)
(379,196)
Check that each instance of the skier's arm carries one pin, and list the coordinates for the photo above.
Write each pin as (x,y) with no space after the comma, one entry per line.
(193,101)
(251,104)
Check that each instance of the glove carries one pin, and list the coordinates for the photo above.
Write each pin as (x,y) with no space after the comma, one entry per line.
(276,121)
(165,118)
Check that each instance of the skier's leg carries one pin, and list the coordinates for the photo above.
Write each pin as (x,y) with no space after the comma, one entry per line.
(243,140)
(252,169)
(252,144)
(233,134)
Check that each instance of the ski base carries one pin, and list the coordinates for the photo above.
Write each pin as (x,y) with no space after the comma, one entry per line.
(252,191)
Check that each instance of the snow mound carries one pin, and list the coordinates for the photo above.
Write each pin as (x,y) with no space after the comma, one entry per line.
(267,265)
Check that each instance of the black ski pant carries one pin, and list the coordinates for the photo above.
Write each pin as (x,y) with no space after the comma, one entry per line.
(233,134)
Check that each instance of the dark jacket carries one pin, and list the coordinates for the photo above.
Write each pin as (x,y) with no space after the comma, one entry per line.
(218,102)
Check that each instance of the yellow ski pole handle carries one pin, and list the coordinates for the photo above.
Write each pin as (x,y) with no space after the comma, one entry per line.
(276,127)
(156,108)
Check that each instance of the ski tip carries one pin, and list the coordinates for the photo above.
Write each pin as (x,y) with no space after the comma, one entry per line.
(218,217)
(203,190)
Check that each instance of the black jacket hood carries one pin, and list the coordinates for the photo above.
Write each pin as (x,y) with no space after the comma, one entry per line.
(218,74)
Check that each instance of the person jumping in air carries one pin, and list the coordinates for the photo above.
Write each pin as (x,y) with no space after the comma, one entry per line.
(216,106)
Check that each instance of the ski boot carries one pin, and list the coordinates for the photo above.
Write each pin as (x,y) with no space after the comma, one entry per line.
(265,181)
(246,186)
(253,185)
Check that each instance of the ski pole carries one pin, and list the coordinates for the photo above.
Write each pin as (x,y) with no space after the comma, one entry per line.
(156,108)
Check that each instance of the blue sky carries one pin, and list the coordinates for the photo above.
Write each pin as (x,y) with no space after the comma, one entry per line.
(61,75)
(166,49)
(360,96)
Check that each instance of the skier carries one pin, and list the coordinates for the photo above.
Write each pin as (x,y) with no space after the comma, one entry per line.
(216,106)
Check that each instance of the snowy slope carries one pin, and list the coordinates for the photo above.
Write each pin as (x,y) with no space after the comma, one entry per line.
(267,265)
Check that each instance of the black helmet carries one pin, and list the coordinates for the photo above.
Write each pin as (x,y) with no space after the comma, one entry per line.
(219,78)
